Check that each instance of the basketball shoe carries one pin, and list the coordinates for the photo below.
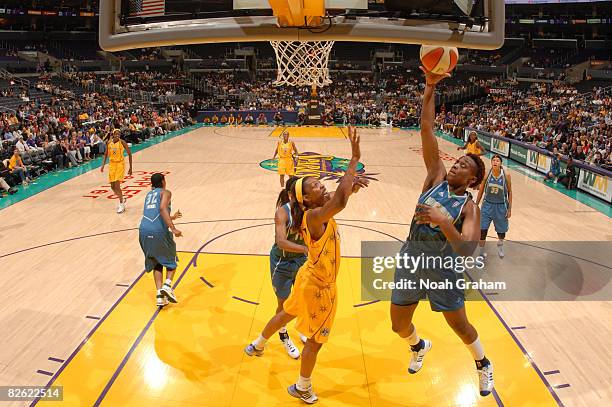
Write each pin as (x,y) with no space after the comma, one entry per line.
(307,396)
(416,360)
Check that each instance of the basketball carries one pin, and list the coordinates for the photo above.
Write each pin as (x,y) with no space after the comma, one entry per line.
(438,59)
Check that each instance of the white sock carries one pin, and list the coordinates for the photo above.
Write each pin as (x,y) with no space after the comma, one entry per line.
(303,383)
(476,349)
(283,330)
(482,250)
(169,282)
(500,242)
(413,339)
(158,292)
(260,342)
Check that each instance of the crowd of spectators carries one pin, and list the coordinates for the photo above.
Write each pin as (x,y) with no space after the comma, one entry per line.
(41,137)
(553,116)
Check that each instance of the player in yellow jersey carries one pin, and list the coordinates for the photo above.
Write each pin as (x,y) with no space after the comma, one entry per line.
(287,152)
(116,167)
(472,146)
(313,299)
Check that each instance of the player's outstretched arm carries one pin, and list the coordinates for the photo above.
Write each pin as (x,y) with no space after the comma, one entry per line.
(340,197)
(431,153)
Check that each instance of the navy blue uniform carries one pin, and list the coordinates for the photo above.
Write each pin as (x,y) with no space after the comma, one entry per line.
(156,240)
(285,265)
(428,239)
(495,205)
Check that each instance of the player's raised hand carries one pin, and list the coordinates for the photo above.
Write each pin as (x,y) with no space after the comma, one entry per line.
(433,78)
(177,215)
(354,138)
(359,183)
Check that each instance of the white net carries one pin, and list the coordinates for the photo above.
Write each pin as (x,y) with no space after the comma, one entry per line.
(302,63)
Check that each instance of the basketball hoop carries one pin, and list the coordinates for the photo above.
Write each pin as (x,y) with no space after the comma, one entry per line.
(302,63)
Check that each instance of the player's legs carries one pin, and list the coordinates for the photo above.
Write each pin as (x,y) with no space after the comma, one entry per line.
(166,287)
(277,322)
(283,272)
(459,323)
(282,180)
(158,271)
(116,187)
(500,221)
(166,255)
(302,389)
(401,324)
(486,217)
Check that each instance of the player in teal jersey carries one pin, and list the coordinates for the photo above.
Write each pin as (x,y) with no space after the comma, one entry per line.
(446,224)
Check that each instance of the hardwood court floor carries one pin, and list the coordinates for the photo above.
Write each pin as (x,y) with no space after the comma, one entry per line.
(70,264)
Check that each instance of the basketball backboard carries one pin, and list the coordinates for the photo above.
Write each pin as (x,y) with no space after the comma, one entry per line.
(127,24)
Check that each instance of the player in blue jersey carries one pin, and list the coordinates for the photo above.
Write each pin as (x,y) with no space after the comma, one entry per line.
(446,224)
(497,205)
(155,235)
(287,255)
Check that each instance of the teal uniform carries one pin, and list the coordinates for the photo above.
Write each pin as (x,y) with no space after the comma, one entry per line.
(285,265)
(495,204)
(428,240)
(156,240)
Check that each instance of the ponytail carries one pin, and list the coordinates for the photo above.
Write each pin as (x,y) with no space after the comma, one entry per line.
(284,196)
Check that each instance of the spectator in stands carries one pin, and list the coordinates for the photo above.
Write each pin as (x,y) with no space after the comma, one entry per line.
(5,187)
(97,145)
(262,120)
(18,168)
(8,134)
(278,118)
(555,168)
(327,119)
(301,118)
(569,178)
(84,145)
(22,146)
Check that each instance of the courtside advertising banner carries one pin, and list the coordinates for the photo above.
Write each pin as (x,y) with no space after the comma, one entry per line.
(596,184)
(500,147)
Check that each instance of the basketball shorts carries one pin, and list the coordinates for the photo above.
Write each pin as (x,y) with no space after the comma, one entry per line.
(159,249)
(286,166)
(496,213)
(116,172)
(283,272)
(438,285)
(314,305)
